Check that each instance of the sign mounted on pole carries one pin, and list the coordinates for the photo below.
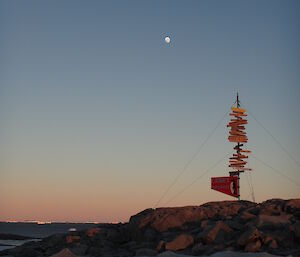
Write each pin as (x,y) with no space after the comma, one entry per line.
(227,185)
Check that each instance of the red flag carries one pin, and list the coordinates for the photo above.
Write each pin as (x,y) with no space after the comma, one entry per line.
(227,185)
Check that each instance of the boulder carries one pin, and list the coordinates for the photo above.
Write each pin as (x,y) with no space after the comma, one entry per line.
(250,235)
(149,235)
(71,239)
(92,232)
(272,207)
(267,239)
(116,236)
(79,249)
(65,253)
(246,216)
(273,244)
(204,223)
(198,249)
(292,206)
(253,246)
(235,225)
(295,228)
(210,233)
(267,221)
(181,242)
(161,246)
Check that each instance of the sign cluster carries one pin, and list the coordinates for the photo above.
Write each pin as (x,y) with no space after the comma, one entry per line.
(237,134)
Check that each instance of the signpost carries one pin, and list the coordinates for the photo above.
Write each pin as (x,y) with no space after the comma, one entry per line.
(237,134)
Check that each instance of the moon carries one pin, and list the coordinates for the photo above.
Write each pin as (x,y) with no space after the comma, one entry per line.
(167,39)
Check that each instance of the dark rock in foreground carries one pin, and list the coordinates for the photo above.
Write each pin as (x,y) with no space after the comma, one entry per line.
(235,226)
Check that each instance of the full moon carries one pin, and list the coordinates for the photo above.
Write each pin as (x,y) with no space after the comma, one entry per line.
(167,40)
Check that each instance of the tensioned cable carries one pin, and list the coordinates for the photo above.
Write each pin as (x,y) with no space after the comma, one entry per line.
(190,160)
(248,181)
(277,171)
(199,177)
(252,188)
(274,138)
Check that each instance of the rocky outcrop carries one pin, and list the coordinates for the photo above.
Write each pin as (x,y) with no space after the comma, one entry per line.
(163,219)
(181,242)
(231,226)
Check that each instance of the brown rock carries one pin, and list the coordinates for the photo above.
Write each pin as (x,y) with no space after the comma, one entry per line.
(274,221)
(267,239)
(198,249)
(273,244)
(247,216)
(253,246)
(251,235)
(161,246)
(272,207)
(65,253)
(181,242)
(292,205)
(204,223)
(162,219)
(210,234)
(296,229)
(71,239)
(92,232)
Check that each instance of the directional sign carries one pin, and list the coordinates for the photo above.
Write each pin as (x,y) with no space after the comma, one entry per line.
(227,185)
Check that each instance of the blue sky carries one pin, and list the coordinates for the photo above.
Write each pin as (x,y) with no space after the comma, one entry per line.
(92,100)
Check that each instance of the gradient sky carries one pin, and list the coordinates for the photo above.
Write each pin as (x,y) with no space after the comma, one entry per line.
(99,115)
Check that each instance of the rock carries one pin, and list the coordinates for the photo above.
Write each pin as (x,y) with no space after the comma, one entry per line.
(92,232)
(161,246)
(65,253)
(246,216)
(253,246)
(145,252)
(251,235)
(273,244)
(197,249)
(272,207)
(79,249)
(292,206)
(163,219)
(210,234)
(234,225)
(181,242)
(132,245)
(149,235)
(267,240)
(295,228)
(273,225)
(94,250)
(71,239)
(116,236)
(268,221)
(204,223)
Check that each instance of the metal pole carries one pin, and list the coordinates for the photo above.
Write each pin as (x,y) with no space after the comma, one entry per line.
(238,145)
